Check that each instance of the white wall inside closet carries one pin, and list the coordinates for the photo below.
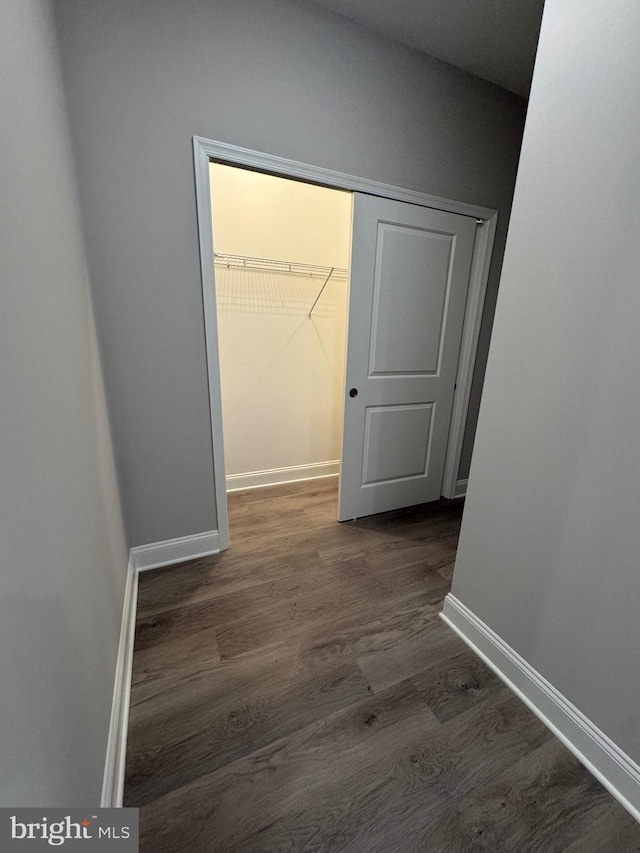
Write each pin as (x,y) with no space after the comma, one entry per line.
(282,374)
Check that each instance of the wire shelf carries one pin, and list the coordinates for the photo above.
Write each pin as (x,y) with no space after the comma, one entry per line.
(269,265)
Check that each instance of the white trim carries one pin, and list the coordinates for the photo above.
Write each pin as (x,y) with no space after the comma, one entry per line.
(478,278)
(210,309)
(171,551)
(274,476)
(114,766)
(140,558)
(460,489)
(599,754)
(210,150)
(206,150)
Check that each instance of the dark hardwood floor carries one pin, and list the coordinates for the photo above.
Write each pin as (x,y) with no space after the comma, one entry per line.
(300,693)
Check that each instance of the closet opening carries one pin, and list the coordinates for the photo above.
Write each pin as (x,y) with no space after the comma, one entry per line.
(281,258)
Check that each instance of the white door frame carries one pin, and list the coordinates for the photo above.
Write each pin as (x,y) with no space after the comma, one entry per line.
(207,150)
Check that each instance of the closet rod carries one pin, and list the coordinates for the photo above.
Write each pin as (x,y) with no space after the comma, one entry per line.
(269,265)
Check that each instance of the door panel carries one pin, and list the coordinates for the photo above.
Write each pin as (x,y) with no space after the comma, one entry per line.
(411,458)
(410,270)
(400,343)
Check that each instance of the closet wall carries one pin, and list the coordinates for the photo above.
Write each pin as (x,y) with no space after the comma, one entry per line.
(282,373)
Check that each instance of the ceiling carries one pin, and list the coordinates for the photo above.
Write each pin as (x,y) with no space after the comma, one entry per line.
(493,39)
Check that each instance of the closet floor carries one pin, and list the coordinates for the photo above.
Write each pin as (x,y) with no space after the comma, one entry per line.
(299,692)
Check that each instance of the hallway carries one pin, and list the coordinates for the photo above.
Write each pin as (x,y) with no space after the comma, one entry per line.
(299,692)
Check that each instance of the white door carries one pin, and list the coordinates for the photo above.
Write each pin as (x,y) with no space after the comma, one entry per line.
(410,270)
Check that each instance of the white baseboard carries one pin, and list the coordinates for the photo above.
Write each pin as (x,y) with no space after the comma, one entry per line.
(599,754)
(274,476)
(141,558)
(461,488)
(114,766)
(159,554)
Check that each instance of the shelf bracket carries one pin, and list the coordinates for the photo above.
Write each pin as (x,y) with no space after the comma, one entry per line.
(326,281)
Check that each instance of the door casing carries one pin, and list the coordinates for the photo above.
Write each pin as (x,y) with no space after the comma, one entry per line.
(206,151)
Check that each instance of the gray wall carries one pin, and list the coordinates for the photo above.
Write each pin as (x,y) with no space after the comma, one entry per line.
(144,76)
(550,540)
(62,552)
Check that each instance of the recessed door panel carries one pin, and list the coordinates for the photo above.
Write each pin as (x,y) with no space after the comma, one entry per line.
(410,269)
(396,443)
(410,293)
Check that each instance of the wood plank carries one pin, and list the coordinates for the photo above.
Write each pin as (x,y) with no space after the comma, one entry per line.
(368,630)
(381,811)
(446,571)
(387,666)
(158,667)
(209,720)
(329,758)
(290,609)
(210,577)
(454,684)
(546,801)
(475,745)
(253,724)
